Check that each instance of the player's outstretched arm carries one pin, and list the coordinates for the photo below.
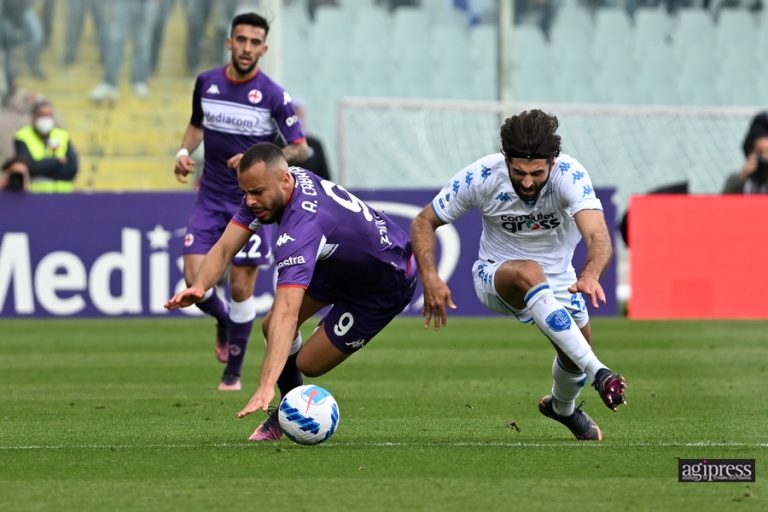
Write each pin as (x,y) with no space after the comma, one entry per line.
(591,224)
(282,329)
(213,266)
(185,298)
(437,295)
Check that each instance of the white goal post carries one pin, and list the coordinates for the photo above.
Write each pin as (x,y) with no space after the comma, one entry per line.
(414,143)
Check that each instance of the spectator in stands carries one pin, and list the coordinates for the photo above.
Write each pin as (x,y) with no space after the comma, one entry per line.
(48,151)
(472,9)
(536,12)
(15,175)
(316,161)
(127,18)
(312,6)
(753,176)
(21,27)
(75,16)
(13,118)
(197,14)
(157,34)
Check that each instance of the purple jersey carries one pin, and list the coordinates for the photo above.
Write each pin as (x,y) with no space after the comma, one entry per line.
(327,231)
(235,116)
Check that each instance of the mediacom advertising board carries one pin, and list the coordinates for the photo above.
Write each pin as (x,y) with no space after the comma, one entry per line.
(120,254)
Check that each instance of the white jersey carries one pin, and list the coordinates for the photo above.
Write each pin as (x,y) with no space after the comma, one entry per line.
(514,229)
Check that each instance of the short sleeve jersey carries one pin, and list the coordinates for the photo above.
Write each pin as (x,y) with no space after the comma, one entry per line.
(513,228)
(234,116)
(324,226)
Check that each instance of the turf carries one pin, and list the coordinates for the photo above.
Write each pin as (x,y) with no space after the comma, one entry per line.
(124,415)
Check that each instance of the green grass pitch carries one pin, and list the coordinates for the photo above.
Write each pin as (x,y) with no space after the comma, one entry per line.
(124,415)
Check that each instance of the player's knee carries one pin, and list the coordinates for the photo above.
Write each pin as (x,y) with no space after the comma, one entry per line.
(520,274)
(240,293)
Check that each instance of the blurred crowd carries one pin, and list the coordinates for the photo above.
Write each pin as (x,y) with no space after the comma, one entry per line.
(25,27)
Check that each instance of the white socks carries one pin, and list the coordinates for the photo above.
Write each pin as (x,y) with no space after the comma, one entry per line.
(557,325)
(566,387)
(296,346)
(242,312)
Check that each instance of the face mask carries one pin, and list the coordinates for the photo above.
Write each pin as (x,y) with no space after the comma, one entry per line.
(44,125)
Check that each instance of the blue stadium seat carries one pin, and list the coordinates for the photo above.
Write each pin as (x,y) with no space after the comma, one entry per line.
(571,43)
(532,66)
(736,57)
(651,33)
(612,51)
(694,34)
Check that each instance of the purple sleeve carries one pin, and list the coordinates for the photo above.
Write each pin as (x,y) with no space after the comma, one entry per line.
(296,251)
(197,105)
(244,217)
(286,119)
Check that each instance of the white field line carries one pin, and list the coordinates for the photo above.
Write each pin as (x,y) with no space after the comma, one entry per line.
(397,444)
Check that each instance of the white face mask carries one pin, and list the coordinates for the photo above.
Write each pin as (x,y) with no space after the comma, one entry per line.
(44,125)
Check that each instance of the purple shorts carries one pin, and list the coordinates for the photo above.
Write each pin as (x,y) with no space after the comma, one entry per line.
(205,226)
(361,311)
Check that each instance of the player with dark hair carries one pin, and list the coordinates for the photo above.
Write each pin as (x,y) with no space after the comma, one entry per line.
(332,250)
(536,204)
(233,107)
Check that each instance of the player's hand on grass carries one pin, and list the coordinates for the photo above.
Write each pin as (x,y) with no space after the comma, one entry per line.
(259,401)
(234,161)
(185,298)
(591,287)
(185,165)
(437,296)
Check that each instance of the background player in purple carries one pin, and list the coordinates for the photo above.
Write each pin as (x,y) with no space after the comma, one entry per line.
(331,249)
(233,107)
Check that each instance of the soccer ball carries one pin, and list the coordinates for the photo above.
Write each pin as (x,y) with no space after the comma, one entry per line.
(308,414)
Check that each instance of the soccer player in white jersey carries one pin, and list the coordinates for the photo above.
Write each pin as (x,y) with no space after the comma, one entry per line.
(536,205)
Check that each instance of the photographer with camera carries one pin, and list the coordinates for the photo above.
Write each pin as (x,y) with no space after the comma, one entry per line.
(15,175)
(753,176)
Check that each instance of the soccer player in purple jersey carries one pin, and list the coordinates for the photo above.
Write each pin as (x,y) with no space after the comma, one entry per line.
(536,205)
(332,249)
(233,107)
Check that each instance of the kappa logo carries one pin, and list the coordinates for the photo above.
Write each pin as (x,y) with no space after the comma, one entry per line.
(213,89)
(284,239)
(357,343)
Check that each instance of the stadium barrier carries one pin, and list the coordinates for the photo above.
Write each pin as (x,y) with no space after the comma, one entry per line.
(121,254)
(697,257)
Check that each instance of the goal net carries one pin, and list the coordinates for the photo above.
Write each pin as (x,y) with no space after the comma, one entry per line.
(405,143)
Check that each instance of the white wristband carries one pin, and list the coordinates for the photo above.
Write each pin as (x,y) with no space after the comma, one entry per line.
(182,152)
